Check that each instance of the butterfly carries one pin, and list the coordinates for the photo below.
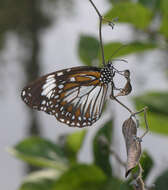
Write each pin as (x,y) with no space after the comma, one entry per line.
(75,96)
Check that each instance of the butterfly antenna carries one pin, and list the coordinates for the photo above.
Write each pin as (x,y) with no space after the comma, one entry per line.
(117,50)
(124,60)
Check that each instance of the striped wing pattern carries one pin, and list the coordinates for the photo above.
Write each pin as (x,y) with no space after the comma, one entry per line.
(74,96)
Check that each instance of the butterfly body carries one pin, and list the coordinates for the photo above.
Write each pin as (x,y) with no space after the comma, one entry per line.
(75,96)
(107,73)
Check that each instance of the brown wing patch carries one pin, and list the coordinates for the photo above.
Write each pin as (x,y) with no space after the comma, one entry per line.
(82,79)
(70,86)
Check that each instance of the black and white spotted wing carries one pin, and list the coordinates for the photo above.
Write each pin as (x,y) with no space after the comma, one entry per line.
(74,96)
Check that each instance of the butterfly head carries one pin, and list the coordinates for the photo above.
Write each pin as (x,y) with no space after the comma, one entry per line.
(110,66)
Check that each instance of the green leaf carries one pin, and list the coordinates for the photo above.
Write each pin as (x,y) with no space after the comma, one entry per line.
(112,183)
(101,150)
(88,49)
(41,180)
(161,182)
(134,47)
(147,164)
(157,102)
(118,1)
(152,4)
(132,13)
(73,144)
(164,25)
(157,114)
(116,184)
(81,177)
(40,152)
(158,123)
(163,6)
(126,185)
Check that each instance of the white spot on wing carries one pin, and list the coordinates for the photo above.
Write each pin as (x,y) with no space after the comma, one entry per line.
(97,101)
(72,79)
(61,86)
(49,95)
(71,96)
(43,102)
(91,77)
(57,96)
(48,90)
(23,93)
(76,102)
(84,90)
(48,83)
(62,120)
(50,76)
(91,99)
(83,100)
(60,73)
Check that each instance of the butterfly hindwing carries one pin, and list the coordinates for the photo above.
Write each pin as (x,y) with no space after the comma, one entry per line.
(74,96)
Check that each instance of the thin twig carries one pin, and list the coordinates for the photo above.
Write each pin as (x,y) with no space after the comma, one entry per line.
(104,141)
(100,31)
(117,157)
(145,119)
(138,180)
(95,8)
(146,123)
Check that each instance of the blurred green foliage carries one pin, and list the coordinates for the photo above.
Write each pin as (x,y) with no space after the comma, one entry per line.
(100,150)
(157,103)
(147,163)
(40,180)
(133,13)
(64,175)
(73,144)
(81,177)
(162,181)
(39,152)
(88,49)
(129,48)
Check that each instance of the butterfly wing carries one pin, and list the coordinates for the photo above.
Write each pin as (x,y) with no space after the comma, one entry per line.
(74,96)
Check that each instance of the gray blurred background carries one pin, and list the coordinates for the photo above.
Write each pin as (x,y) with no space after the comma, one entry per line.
(57,45)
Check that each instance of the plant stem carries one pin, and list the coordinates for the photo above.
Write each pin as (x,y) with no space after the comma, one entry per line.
(100,31)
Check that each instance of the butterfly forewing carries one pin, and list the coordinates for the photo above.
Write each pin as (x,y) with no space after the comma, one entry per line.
(74,96)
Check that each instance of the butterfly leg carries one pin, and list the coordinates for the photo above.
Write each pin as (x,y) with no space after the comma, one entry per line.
(133,114)
(144,110)
(123,105)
